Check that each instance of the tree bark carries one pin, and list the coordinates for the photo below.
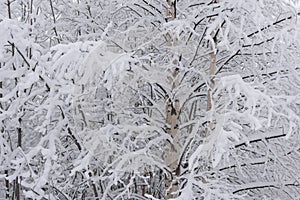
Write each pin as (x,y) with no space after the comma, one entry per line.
(17,189)
(211,85)
(172,148)
(212,72)
(5,171)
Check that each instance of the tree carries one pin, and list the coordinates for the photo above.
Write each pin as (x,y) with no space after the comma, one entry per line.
(170,99)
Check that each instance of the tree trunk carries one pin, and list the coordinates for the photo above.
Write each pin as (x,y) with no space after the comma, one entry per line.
(211,84)
(17,189)
(5,171)
(172,148)
(54,21)
(8,9)
(212,72)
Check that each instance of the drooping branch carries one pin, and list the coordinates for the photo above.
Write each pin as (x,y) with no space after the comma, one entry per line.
(260,139)
(258,186)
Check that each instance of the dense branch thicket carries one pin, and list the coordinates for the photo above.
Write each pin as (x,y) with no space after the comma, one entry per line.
(149,99)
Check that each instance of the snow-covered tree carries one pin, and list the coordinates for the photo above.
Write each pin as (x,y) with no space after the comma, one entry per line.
(151,99)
